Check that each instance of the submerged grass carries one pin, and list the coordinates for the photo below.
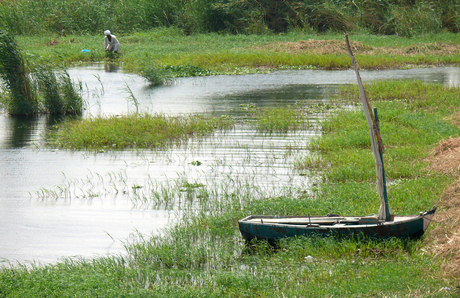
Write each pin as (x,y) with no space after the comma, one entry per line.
(281,119)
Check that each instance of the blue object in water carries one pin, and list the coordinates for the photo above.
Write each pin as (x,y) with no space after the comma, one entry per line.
(85,51)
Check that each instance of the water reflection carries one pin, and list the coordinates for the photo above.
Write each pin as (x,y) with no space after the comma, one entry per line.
(22,131)
(109,67)
(17,132)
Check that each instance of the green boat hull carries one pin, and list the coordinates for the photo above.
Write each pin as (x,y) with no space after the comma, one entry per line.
(274,228)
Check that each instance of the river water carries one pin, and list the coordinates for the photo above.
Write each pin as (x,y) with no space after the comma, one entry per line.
(59,203)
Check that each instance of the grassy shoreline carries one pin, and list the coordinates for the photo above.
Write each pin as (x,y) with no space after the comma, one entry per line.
(208,54)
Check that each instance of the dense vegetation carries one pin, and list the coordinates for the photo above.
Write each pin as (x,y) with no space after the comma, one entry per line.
(400,17)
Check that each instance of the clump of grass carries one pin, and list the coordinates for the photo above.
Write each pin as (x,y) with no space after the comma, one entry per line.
(14,72)
(159,75)
(134,131)
(155,75)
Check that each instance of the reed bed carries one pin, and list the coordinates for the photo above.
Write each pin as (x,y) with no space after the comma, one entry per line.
(402,17)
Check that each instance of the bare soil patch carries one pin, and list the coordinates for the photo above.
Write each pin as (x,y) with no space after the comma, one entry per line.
(338,47)
(445,236)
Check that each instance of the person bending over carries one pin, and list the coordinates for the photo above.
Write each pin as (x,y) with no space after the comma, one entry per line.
(111,43)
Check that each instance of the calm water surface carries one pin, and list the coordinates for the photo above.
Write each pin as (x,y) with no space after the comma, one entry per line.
(58,203)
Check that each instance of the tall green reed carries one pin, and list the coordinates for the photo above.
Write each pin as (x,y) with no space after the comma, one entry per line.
(15,74)
(49,90)
(400,17)
(71,94)
(31,92)
(57,92)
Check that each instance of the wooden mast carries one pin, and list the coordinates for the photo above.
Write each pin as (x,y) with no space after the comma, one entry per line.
(376,140)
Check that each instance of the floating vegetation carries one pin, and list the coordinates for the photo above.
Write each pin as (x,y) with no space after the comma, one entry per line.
(281,119)
(187,71)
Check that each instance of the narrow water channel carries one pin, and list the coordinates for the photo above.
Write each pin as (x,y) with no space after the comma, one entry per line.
(59,203)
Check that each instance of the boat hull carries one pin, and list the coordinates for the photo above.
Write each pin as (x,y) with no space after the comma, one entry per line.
(274,228)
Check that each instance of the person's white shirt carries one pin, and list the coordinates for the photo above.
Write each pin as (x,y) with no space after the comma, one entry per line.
(111,43)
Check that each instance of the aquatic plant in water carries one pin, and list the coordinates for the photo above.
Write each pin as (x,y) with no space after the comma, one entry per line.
(49,90)
(57,93)
(15,76)
(134,131)
(31,92)
(73,102)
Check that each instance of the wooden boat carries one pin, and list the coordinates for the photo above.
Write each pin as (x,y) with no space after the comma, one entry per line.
(384,225)
(277,227)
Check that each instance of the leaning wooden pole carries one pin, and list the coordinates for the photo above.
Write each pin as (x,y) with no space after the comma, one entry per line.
(376,140)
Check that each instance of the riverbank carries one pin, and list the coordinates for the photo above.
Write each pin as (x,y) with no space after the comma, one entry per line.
(208,54)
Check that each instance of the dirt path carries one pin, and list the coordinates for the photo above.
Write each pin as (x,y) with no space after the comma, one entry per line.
(338,47)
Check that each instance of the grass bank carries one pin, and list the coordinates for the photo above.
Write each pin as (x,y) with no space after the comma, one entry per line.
(170,50)
(133,131)
(205,256)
